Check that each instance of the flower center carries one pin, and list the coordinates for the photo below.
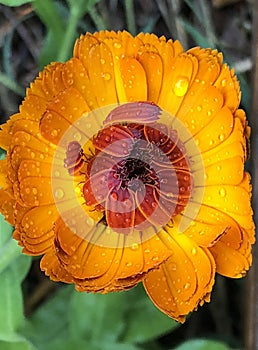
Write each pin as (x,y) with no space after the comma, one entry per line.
(138,175)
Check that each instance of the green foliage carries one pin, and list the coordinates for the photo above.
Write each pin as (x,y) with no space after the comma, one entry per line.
(100,322)
(13,268)
(202,344)
(14,2)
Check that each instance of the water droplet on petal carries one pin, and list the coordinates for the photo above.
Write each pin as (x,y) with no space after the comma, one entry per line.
(181,86)
(221,137)
(54,133)
(222,192)
(194,251)
(57,173)
(106,76)
(114,196)
(187,285)
(129,264)
(223,82)
(34,190)
(135,246)
(59,193)
(77,136)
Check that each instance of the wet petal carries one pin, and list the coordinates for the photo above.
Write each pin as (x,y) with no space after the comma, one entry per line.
(134,79)
(182,282)
(139,112)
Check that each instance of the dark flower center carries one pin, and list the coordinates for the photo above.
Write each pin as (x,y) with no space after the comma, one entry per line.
(139,174)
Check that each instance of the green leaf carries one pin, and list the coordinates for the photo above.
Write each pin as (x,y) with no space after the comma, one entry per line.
(12,274)
(128,316)
(97,316)
(11,300)
(14,2)
(53,312)
(202,344)
(22,344)
(144,321)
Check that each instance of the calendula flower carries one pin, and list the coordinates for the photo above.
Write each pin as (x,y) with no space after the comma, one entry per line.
(126,164)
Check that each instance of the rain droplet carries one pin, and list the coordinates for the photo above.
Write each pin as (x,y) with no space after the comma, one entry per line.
(59,193)
(114,196)
(117,45)
(222,192)
(129,264)
(106,76)
(181,86)
(57,173)
(194,251)
(222,137)
(54,133)
(187,285)
(34,190)
(102,61)
(135,246)
(223,82)
(199,108)
(77,136)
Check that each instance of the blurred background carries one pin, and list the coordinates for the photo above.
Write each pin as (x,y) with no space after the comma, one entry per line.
(36,33)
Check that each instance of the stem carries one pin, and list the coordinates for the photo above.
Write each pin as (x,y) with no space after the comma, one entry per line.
(48,13)
(97,19)
(8,253)
(12,85)
(130,17)
(70,34)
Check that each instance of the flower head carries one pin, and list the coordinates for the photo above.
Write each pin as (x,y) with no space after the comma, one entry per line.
(126,164)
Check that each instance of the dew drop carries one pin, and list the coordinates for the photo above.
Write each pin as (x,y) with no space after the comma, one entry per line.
(77,136)
(222,192)
(57,173)
(187,285)
(90,221)
(129,264)
(199,108)
(102,61)
(181,86)
(54,132)
(34,190)
(222,137)
(135,246)
(117,45)
(194,251)
(114,196)
(59,193)
(106,76)
(223,82)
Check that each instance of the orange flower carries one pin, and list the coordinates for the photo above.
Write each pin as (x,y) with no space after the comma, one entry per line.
(126,165)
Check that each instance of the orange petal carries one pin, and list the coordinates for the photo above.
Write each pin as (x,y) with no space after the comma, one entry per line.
(64,110)
(229,261)
(53,268)
(49,82)
(238,207)
(176,83)
(153,67)
(88,260)
(7,205)
(182,282)
(228,85)
(75,74)
(134,79)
